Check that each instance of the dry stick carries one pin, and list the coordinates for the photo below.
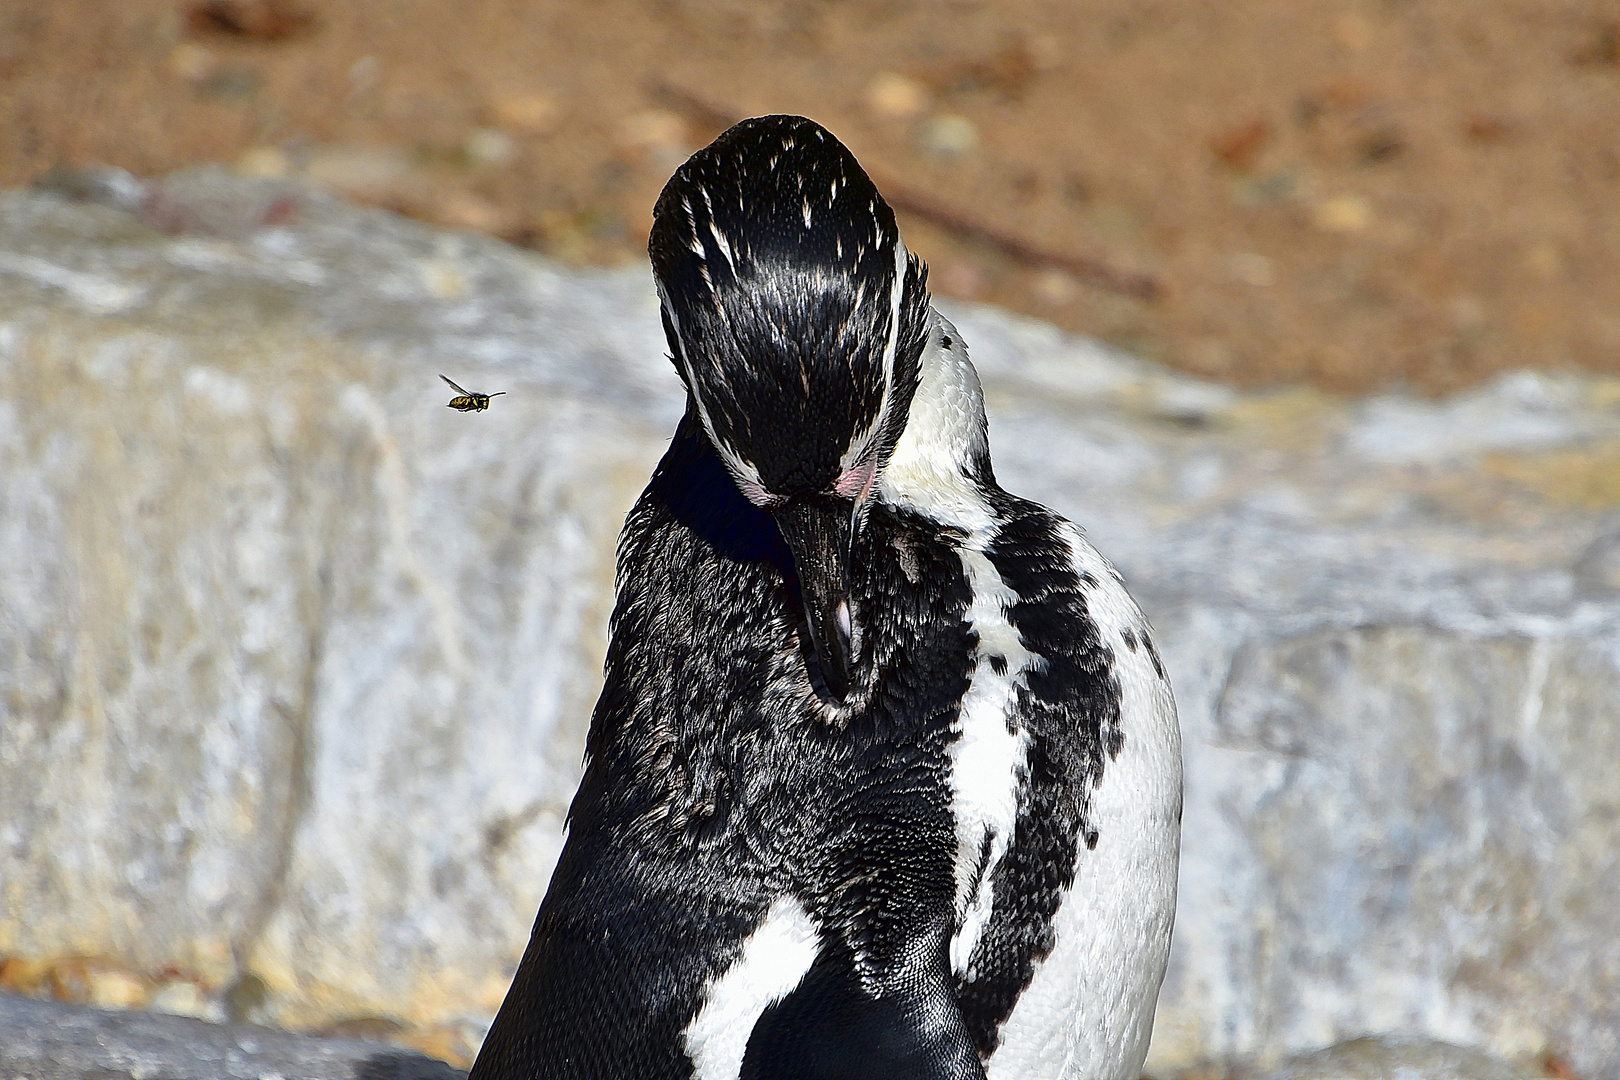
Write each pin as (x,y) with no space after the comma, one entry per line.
(1097,273)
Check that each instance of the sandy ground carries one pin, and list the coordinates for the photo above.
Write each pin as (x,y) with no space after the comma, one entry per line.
(1354,194)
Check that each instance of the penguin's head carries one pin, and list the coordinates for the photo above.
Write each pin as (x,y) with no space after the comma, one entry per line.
(796,319)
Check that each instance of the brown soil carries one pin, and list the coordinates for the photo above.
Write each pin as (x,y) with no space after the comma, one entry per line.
(1354,193)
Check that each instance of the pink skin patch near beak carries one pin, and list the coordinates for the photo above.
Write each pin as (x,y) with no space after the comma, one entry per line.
(856,483)
(756,494)
(853,483)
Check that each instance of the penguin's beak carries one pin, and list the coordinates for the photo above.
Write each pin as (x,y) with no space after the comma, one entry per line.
(817,530)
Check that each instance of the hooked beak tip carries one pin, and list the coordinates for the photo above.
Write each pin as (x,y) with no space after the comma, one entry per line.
(817,531)
(836,662)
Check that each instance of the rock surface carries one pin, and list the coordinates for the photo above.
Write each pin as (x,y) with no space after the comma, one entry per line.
(1397,1058)
(296,663)
(47,1040)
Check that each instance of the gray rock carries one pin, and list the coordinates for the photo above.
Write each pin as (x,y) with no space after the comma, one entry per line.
(47,1040)
(296,663)
(1397,1058)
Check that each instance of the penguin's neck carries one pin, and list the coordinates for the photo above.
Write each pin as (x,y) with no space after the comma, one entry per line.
(940,467)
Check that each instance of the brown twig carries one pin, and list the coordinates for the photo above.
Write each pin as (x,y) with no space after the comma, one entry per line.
(925,207)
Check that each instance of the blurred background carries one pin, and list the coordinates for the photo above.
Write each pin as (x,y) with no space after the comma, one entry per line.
(295,663)
(1350,194)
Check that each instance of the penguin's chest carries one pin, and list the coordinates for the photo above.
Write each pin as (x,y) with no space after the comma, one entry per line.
(1066,794)
(860,806)
(1010,780)
(1087,1009)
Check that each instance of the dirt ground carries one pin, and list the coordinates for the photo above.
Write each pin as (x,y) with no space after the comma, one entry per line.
(1350,193)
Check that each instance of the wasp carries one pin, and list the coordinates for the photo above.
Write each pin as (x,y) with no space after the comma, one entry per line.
(467,402)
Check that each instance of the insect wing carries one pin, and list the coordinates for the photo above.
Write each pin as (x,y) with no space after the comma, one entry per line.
(467,401)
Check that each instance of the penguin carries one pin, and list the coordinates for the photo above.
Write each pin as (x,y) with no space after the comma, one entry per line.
(884,782)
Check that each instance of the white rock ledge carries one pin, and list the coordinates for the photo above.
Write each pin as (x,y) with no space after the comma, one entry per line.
(295,663)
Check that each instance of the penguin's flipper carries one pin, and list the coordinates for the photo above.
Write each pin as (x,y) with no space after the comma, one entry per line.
(829,1028)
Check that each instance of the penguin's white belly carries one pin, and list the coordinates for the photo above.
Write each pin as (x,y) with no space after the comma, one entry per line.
(1088,1012)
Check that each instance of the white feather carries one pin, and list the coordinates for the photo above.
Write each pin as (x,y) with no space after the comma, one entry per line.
(986,757)
(774,961)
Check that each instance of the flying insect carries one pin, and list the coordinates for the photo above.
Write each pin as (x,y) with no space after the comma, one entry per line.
(469,402)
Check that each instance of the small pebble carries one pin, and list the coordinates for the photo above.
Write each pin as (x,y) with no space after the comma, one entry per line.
(526,114)
(231,84)
(490,147)
(364,73)
(191,61)
(269,161)
(890,96)
(1270,188)
(1238,147)
(1055,286)
(1343,214)
(949,135)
